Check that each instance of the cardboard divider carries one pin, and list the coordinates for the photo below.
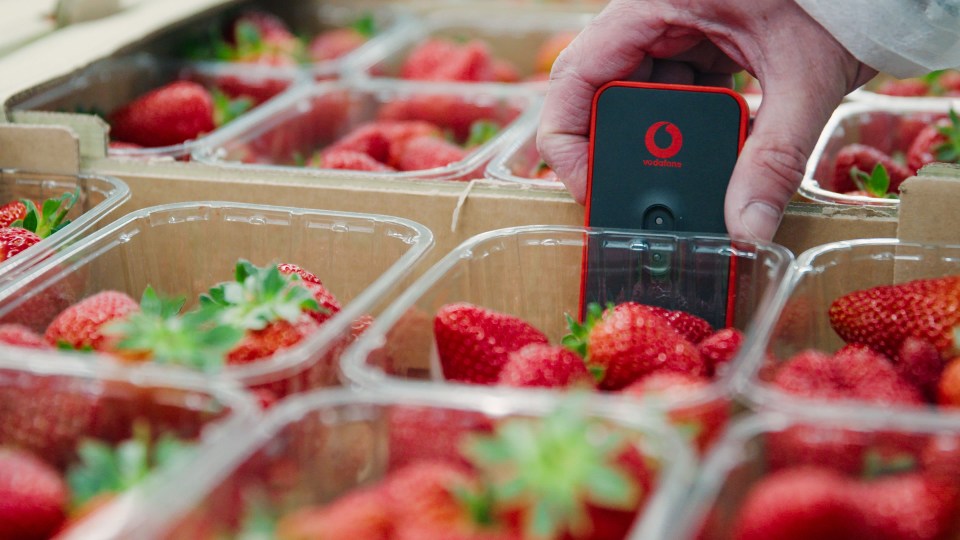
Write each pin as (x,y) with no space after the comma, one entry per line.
(20,148)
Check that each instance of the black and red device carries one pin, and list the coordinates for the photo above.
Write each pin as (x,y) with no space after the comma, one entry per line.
(660,160)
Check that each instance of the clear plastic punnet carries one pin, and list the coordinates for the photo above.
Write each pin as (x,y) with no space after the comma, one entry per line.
(889,128)
(535,273)
(109,84)
(853,297)
(291,132)
(73,414)
(315,448)
(520,162)
(841,475)
(98,195)
(513,38)
(184,249)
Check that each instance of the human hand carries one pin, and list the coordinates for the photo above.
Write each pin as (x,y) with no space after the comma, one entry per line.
(803,70)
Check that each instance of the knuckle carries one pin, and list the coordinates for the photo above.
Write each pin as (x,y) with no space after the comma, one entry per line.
(784,163)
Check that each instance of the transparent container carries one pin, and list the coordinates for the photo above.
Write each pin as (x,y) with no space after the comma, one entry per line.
(760,445)
(513,35)
(799,317)
(50,405)
(868,94)
(520,160)
(285,133)
(535,273)
(111,83)
(888,127)
(98,196)
(313,448)
(186,248)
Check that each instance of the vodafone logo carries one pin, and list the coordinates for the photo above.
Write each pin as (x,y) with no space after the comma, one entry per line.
(663,154)
(676,140)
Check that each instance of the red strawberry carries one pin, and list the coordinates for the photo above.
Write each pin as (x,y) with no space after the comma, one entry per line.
(450,112)
(800,504)
(335,43)
(544,365)
(21,336)
(949,81)
(836,448)
(420,433)
(948,387)
(939,141)
(719,349)
(268,26)
(504,71)
(427,501)
(906,506)
(14,240)
(883,317)
(854,372)
(444,60)
(347,160)
(80,325)
(688,325)
(864,158)
(383,140)
(473,343)
(12,211)
(631,341)
(543,171)
(550,49)
(919,363)
(427,152)
(904,88)
(33,497)
(265,342)
(361,515)
(329,305)
(171,114)
(702,421)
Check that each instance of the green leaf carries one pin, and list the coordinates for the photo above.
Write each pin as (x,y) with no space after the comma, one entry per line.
(366,25)
(481,132)
(877,183)
(50,218)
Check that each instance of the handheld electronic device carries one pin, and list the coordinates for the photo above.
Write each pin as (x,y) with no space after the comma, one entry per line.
(660,160)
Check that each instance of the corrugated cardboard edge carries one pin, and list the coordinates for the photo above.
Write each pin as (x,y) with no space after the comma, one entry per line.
(929,205)
(91,130)
(44,149)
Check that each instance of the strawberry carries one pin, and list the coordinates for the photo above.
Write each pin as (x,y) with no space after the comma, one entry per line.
(435,500)
(702,421)
(273,308)
(157,332)
(383,140)
(688,325)
(905,506)
(504,71)
(21,336)
(520,464)
(719,349)
(451,112)
(542,171)
(550,49)
(32,496)
(80,325)
(14,240)
(268,26)
(419,433)
(439,59)
(918,362)
(174,113)
(347,160)
(543,365)
(12,211)
(853,372)
(859,157)
(800,503)
(913,87)
(262,38)
(630,341)
(426,152)
(883,317)
(939,141)
(948,387)
(474,343)
(328,303)
(336,43)
(359,514)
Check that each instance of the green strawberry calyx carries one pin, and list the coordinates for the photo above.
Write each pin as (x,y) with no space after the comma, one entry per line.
(579,336)
(260,296)
(226,109)
(551,468)
(877,465)
(365,25)
(481,132)
(196,339)
(50,217)
(949,150)
(877,183)
(104,468)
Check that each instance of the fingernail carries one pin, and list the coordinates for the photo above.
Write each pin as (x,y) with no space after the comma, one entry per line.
(760,219)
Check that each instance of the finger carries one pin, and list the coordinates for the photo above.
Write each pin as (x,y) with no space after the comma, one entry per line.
(706,57)
(714,79)
(670,72)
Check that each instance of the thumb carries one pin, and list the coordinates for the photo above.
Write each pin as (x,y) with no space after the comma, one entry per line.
(772,162)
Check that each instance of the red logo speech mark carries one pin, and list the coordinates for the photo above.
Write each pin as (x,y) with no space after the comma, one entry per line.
(676,140)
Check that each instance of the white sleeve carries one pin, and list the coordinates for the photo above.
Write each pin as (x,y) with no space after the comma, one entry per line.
(904,38)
